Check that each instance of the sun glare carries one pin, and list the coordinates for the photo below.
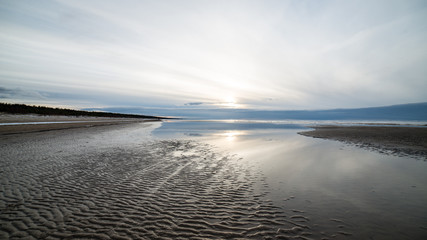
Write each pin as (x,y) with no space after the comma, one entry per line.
(230,99)
(230,102)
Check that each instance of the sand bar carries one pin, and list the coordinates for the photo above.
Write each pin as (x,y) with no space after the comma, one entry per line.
(394,140)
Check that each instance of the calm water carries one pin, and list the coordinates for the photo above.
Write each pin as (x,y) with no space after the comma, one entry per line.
(340,189)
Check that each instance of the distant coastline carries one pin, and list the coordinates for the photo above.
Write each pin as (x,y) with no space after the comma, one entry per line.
(20,118)
(42,110)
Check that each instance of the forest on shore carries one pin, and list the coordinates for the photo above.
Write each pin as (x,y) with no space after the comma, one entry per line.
(42,110)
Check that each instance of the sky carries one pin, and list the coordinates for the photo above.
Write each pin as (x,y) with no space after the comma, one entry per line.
(213,54)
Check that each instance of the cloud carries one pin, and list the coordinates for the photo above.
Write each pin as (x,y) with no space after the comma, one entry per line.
(299,54)
(193,103)
(17,93)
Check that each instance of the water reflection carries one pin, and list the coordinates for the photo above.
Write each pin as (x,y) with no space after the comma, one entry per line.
(351,192)
(230,136)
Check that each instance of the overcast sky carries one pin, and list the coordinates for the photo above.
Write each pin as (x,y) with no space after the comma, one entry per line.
(239,54)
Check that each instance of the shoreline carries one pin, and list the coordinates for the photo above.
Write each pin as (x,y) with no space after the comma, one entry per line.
(28,123)
(392,140)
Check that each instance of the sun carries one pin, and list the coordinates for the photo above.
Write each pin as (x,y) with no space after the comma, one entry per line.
(230,102)
(230,99)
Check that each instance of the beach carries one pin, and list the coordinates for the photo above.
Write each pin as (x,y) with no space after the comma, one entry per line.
(116,182)
(176,120)
(121,181)
(395,140)
(26,123)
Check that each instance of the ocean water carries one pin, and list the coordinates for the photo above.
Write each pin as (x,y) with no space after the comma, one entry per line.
(338,190)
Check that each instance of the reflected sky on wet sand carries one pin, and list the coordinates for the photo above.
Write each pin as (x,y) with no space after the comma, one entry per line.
(341,189)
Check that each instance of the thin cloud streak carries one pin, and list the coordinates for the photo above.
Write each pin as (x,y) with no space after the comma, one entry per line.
(265,54)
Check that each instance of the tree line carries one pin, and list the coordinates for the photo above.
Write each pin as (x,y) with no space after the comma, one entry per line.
(42,110)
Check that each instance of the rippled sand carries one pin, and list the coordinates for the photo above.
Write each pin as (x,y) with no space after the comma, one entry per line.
(116,182)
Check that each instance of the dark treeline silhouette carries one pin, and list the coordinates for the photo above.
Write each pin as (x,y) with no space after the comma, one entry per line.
(41,110)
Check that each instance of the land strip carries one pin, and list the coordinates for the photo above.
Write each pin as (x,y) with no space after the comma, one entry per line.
(49,111)
(394,140)
(25,123)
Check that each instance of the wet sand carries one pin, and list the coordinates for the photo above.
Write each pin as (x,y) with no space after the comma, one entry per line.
(339,190)
(116,182)
(400,141)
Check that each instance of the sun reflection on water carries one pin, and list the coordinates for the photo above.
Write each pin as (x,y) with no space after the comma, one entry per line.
(231,135)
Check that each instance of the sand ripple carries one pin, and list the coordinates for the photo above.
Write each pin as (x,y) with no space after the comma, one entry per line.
(158,190)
